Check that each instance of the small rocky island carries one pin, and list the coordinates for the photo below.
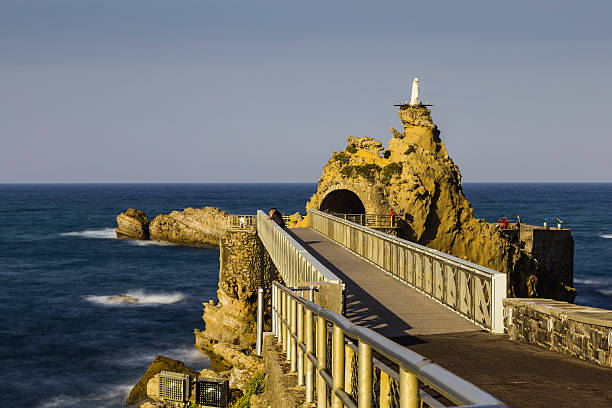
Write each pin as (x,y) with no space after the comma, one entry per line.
(413,177)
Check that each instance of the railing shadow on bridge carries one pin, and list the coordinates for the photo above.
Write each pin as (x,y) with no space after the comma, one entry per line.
(361,307)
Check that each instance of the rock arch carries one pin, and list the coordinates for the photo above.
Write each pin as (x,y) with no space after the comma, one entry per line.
(342,201)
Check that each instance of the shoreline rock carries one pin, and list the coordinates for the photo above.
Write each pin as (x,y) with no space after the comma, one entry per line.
(202,227)
(139,394)
(132,224)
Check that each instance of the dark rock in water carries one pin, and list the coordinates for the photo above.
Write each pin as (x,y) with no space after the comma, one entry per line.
(127,299)
(132,224)
(161,363)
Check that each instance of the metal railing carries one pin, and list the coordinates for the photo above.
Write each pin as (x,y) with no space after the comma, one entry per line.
(471,290)
(293,262)
(237,222)
(241,222)
(371,220)
(339,374)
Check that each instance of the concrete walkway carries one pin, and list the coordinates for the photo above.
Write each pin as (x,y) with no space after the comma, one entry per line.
(519,374)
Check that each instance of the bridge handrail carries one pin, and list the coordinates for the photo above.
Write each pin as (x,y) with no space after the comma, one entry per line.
(237,222)
(294,263)
(371,220)
(293,325)
(476,292)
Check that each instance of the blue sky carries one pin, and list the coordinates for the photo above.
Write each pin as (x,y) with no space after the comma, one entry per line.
(227,91)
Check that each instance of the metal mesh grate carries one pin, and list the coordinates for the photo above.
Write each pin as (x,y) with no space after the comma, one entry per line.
(394,391)
(376,387)
(355,377)
(212,392)
(174,386)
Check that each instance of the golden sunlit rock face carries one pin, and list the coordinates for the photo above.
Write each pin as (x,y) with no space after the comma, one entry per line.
(416,179)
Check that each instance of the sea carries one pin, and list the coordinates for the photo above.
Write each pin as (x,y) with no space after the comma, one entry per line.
(64,344)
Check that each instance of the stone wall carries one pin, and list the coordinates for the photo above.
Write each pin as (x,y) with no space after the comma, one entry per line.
(578,331)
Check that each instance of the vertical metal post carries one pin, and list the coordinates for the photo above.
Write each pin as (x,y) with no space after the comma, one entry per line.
(293,332)
(309,349)
(274,310)
(283,320)
(260,292)
(287,327)
(321,357)
(300,339)
(364,383)
(409,389)
(337,365)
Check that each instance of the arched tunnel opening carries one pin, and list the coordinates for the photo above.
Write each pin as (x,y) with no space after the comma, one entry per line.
(342,202)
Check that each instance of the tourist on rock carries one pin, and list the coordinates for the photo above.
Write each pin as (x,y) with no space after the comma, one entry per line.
(277,217)
(504,222)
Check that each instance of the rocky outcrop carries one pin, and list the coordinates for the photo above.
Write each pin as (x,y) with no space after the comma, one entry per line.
(416,178)
(161,363)
(132,224)
(192,226)
(244,266)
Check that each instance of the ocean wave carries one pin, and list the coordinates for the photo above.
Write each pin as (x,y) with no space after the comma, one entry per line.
(109,397)
(105,233)
(593,281)
(137,298)
(150,242)
(606,292)
(193,358)
(607,236)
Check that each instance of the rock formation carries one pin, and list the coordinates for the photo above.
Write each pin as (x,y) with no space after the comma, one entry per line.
(132,224)
(192,226)
(245,265)
(124,299)
(161,363)
(415,177)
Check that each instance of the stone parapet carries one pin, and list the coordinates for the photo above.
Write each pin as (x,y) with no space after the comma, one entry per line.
(579,331)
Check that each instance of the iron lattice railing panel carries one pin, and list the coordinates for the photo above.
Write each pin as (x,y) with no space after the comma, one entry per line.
(472,290)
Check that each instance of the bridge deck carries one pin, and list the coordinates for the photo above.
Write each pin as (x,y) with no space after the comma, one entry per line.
(519,374)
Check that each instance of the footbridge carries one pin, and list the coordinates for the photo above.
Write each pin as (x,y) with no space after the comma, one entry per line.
(416,327)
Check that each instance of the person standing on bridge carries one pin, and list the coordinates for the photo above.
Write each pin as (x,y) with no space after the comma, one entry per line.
(277,217)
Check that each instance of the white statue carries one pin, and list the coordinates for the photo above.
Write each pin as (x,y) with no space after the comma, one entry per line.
(414,98)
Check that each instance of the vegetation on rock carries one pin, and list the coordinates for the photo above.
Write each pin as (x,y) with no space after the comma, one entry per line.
(390,170)
(351,149)
(253,387)
(368,171)
(342,158)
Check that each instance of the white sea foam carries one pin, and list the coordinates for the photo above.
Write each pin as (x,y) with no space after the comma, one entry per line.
(187,354)
(594,281)
(140,298)
(105,233)
(150,242)
(606,292)
(607,236)
(108,397)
